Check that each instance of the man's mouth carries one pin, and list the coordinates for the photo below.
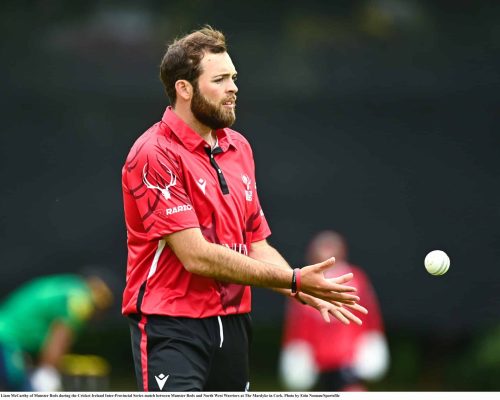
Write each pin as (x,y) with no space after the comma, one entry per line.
(230,103)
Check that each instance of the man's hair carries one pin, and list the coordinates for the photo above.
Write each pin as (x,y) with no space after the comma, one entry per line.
(183,57)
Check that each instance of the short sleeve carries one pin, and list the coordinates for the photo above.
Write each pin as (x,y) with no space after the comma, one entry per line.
(159,193)
(258,224)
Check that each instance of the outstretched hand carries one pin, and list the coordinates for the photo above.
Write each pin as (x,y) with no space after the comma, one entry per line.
(314,283)
(336,309)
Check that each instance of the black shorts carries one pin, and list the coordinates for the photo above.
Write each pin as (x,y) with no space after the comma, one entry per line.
(337,380)
(189,354)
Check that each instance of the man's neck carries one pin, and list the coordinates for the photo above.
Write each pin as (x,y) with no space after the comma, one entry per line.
(204,131)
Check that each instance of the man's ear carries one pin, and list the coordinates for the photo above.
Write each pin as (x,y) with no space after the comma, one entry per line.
(184,89)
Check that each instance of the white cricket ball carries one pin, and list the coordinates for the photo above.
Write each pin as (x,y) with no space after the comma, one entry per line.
(437,262)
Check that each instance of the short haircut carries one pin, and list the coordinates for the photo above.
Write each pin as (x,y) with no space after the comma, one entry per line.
(183,57)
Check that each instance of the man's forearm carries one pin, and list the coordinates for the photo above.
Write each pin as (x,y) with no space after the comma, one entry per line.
(57,343)
(211,260)
(226,264)
(263,251)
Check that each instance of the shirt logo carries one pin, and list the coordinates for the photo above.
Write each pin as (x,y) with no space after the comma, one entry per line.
(161,380)
(202,183)
(247,182)
(162,184)
(181,208)
(238,247)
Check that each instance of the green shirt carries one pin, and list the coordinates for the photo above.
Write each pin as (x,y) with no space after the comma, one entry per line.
(28,313)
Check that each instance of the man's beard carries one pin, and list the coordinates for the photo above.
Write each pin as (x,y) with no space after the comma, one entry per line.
(215,116)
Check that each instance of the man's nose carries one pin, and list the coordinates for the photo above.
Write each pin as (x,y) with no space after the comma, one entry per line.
(232,87)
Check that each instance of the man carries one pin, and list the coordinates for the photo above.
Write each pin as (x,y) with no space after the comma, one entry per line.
(359,353)
(39,321)
(197,234)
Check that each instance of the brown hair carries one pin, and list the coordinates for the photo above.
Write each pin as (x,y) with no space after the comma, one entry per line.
(183,57)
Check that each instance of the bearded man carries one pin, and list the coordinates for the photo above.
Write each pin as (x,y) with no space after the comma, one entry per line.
(196,234)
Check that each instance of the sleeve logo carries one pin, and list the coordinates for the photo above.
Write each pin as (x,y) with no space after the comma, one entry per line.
(163,187)
(247,182)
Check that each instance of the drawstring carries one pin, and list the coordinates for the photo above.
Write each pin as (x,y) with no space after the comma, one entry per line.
(221,331)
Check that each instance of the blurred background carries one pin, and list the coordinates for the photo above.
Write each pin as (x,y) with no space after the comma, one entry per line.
(376,118)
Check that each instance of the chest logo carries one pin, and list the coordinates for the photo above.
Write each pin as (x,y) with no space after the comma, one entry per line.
(202,184)
(161,182)
(247,182)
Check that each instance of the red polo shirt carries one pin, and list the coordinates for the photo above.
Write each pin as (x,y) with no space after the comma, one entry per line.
(172,181)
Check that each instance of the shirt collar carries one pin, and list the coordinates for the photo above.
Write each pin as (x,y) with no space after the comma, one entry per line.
(189,138)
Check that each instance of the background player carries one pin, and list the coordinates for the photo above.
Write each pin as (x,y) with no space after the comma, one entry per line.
(333,356)
(38,325)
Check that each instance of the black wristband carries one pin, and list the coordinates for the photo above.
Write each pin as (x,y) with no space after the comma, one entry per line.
(294,283)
